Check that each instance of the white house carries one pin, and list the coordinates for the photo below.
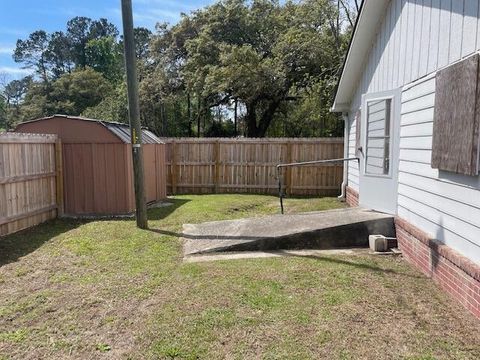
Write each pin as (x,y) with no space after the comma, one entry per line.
(410,96)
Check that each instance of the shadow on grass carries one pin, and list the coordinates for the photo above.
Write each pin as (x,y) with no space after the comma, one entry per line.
(15,246)
(359,265)
(204,237)
(326,259)
(165,208)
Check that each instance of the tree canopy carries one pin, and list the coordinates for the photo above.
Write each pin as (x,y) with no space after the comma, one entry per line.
(237,67)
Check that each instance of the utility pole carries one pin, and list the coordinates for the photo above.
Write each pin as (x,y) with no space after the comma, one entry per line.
(134,114)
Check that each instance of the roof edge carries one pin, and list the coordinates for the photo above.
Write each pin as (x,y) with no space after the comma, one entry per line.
(98,121)
(370,16)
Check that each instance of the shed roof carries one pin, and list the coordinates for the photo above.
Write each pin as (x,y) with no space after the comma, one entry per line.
(122,131)
(369,18)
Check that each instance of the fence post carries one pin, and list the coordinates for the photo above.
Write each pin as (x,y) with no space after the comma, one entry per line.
(173,167)
(288,170)
(217,166)
(59,177)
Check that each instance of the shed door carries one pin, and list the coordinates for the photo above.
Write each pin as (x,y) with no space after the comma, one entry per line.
(380,150)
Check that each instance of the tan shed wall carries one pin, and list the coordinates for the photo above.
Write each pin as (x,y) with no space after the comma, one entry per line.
(155,171)
(71,131)
(96,179)
(99,178)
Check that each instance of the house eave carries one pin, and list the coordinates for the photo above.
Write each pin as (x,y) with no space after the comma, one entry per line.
(369,18)
(340,108)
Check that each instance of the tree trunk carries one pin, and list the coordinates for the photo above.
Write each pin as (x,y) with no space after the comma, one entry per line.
(251,120)
(189,111)
(164,119)
(267,117)
(235,117)
(260,129)
(199,115)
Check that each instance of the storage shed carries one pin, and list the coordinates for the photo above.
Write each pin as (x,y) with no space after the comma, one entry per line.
(97,164)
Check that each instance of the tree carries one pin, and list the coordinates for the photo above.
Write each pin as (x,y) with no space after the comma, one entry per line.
(258,66)
(260,53)
(308,116)
(33,53)
(81,30)
(3,113)
(75,70)
(73,93)
(52,55)
(14,93)
(104,55)
(143,36)
(59,54)
(113,107)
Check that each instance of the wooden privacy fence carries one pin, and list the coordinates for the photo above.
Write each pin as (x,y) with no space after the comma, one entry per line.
(249,165)
(29,190)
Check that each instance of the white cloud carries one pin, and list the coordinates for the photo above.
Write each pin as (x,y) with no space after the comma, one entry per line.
(6,50)
(175,4)
(156,15)
(10,70)
(149,17)
(149,12)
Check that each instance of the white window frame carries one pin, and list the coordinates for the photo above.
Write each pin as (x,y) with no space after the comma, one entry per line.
(394,96)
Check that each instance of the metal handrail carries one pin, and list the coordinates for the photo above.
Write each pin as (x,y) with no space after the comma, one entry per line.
(280,166)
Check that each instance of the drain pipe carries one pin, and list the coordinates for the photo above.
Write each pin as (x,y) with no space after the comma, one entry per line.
(346,138)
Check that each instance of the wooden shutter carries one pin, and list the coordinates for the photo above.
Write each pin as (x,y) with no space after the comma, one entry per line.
(456,118)
(358,131)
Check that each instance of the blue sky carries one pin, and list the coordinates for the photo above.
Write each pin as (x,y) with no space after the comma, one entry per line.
(18,18)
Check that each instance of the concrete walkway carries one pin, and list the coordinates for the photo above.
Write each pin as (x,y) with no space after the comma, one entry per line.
(340,228)
(315,254)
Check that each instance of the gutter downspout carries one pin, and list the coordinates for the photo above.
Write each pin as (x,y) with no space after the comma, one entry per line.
(346,137)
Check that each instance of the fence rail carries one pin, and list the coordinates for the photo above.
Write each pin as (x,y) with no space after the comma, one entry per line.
(29,190)
(220,165)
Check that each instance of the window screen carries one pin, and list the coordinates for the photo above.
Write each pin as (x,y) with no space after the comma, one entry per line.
(378,137)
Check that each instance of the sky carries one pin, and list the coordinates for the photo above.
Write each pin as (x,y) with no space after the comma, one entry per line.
(19,18)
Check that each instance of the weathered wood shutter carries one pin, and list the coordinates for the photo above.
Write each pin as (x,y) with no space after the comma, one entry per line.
(456,118)
(358,132)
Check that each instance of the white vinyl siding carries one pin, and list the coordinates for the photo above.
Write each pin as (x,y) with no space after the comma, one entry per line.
(445,205)
(414,39)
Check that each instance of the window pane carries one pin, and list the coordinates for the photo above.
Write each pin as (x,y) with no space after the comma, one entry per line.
(378,137)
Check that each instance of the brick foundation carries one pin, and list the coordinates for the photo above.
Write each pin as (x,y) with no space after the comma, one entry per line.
(453,272)
(351,197)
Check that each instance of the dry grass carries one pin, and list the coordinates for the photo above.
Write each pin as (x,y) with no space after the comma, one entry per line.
(73,290)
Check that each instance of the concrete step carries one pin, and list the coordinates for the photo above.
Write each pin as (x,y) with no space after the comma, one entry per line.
(331,229)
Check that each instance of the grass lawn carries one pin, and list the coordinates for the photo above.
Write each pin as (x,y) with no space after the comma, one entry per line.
(103,289)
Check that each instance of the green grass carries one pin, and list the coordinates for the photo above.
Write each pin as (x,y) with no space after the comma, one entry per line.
(71,289)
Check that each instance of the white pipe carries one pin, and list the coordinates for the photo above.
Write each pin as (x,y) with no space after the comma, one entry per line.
(346,136)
